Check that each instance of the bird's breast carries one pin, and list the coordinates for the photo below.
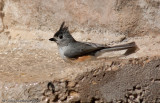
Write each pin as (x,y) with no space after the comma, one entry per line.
(62,50)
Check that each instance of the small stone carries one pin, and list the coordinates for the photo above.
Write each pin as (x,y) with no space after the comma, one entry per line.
(73,93)
(45,99)
(135,95)
(57,87)
(138,91)
(47,92)
(131,97)
(114,68)
(130,92)
(120,101)
(62,96)
(52,97)
(94,83)
(138,87)
(73,97)
(71,84)
(138,99)
(63,84)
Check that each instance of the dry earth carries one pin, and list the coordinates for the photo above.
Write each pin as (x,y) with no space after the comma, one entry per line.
(31,69)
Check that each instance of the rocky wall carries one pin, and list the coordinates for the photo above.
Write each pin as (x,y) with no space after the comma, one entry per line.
(31,69)
(133,17)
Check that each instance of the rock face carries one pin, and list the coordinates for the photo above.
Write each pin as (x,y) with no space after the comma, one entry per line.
(134,81)
(123,16)
(31,69)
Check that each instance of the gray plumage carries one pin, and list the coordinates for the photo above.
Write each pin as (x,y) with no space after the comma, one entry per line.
(70,48)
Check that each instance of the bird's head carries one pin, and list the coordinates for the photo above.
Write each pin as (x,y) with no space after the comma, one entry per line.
(62,36)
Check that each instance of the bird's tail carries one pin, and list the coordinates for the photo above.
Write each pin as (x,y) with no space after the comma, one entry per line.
(131,48)
(121,47)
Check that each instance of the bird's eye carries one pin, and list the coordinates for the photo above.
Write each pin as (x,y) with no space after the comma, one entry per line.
(61,37)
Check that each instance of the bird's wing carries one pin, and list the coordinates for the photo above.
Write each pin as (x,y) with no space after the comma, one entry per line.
(95,44)
(81,49)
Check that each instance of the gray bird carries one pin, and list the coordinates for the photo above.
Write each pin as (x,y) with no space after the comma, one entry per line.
(70,49)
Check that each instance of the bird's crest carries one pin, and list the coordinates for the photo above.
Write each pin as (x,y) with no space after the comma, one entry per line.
(62,29)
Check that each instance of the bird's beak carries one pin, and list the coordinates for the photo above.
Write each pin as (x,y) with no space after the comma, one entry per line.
(52,39)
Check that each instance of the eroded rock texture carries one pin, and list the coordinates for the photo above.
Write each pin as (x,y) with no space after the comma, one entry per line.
(123,16)
(133,81)
(31,69)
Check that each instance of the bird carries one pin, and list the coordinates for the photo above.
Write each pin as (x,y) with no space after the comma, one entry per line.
(73,50)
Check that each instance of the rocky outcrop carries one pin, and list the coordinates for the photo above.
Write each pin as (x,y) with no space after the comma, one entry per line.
(133,17)
(31,69)
(127,81)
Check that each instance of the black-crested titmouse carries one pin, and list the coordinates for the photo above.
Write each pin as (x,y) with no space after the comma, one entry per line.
(71,49)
